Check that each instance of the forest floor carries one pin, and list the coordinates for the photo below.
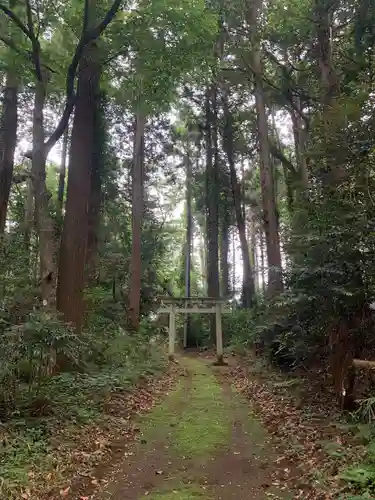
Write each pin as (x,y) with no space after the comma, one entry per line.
(204,441)
(200,438)
(201,442)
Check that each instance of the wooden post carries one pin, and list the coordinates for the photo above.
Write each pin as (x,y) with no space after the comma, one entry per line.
(172,331)
(219,335)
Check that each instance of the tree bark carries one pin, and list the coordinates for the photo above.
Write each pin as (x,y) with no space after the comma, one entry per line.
(137,219)
(323,11)
(29,214)
(224,254)
(62,175)
(228,142)
(96,188)
(275,284)
(234,261)
(330,82)
(262,261)
(189,237)
(73,248)
(300,140)
(44,221)
(8,140)
(253,248)
(212,193)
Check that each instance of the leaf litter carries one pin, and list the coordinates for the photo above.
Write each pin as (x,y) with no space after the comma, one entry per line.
(81,453)
(302,430)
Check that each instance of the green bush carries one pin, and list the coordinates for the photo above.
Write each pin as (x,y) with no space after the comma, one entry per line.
(361,477)
(239,328)
(43,358)
(31,352)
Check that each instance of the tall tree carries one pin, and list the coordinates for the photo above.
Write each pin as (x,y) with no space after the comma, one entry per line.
(228,143)
(189,232)
(212,192)
(137,217)
(73,249)
(275,284)
(8,140)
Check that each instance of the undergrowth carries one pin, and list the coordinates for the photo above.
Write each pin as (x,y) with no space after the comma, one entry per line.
(36,403)
(360,477)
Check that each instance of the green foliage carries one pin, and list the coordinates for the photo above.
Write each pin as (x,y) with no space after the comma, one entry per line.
(109,363)
(366,410)
(30,352)
(199,330)
(362,476)
(239,328)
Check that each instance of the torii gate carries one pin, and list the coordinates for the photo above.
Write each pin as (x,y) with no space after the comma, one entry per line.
(198,305)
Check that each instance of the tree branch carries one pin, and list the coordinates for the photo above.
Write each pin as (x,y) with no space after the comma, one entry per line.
(85,16)
(87,36)
(98,30)
(34,42)
(24,53)
(288,96)
(9,43)
(17,21)
(279,155)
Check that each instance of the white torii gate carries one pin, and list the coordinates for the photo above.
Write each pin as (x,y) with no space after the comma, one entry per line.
(198,305)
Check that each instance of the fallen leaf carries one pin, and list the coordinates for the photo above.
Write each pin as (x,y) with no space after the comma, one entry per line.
(65,493)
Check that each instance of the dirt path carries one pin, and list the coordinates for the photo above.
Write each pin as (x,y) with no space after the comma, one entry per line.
(202,442)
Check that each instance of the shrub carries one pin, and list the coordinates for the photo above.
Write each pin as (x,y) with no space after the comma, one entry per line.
(30,354)
(239,328)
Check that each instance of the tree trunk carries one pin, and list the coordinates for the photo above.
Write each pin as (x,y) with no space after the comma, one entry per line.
(203,257)
(212,193)
(189,237)
(137,219)
(8,140)
(323,11)
(224,254)
(234,261)
(253,248)
(300,140)
(62,175)
(262,262)
(275,284)
(96,188)
(228,142)
(44,221)
(73,248)
(29,214)
(330,82)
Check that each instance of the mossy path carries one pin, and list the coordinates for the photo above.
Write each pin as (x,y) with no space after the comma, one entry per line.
(201,442)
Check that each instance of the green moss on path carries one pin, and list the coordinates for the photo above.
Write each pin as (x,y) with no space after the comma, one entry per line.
(183,493)
(204,423)
(201,443)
